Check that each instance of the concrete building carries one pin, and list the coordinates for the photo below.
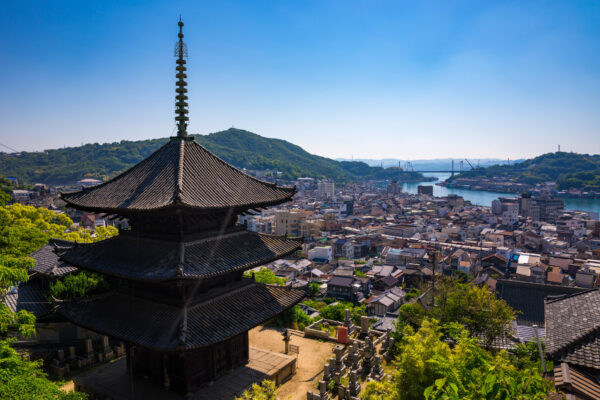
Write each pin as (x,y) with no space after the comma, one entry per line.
(289,222)
(321,253)
(325,189)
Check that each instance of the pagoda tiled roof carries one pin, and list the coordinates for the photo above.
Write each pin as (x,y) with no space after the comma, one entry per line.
(138,258)
(181,173)
(166,327)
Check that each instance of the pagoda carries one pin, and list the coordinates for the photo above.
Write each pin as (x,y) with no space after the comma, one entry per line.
(179,300)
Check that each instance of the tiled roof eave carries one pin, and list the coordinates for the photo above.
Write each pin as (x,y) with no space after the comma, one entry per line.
(294,245)
(82,313)
(178,205)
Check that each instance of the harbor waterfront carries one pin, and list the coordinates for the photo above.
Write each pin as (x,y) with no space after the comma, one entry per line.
(485,198)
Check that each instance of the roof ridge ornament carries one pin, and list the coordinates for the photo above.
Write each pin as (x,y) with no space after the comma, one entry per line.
(181,105)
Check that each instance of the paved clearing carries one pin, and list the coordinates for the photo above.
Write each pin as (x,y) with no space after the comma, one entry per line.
(312,357)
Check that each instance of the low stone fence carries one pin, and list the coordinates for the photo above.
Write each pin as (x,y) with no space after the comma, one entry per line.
(313,331)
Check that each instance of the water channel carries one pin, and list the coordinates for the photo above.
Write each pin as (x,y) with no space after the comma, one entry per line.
(484,198)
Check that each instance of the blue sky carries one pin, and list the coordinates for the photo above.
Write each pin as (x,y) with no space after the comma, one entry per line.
(369,79)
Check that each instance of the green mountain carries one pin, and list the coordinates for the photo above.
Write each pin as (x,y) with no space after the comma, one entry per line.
(568,170)
(240,148)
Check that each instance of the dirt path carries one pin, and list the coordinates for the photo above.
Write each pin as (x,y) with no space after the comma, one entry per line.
(312,357)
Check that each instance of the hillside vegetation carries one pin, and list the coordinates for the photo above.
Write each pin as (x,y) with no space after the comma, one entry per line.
(240,148)
(568,170)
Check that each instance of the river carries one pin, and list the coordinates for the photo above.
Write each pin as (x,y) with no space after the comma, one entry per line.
(484,198)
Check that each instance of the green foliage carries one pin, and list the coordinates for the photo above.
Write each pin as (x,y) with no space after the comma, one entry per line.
(20,379)
(79,285)
(378,390)
(568,170)
(414,373)
(4,198)
(476,308)
(412,294)
(24,229)
(337,312)
(293,318)
(527,354)
(429,367)
(266,276)
(316,304)
(265,391)
(359,273)
(314,289)
(409,314)
(469,371)
(238,147)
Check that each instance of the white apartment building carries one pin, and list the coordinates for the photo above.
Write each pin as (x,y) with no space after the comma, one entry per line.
(325,189)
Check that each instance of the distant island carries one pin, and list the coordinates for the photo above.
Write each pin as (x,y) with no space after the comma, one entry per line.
(566,174)
(273,158)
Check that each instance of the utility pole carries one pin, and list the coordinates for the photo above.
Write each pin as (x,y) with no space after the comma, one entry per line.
(433,277)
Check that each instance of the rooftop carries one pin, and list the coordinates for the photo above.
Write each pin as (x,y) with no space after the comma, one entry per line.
(184,174)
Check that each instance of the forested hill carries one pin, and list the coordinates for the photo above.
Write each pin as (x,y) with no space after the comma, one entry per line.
(568,170)
(240,148)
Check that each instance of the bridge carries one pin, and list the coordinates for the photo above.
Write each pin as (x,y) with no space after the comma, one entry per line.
(439,171)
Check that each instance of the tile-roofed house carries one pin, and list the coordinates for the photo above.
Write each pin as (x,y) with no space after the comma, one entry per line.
(561,262)
(573,342)
(47,262)
(30,297)
(573,329)
(527,298)
(342,288)
(387,301)
(576,383)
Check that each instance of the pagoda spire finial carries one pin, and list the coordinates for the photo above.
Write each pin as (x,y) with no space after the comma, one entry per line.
(181,105)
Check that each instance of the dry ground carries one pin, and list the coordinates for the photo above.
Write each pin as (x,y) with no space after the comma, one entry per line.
(312,357)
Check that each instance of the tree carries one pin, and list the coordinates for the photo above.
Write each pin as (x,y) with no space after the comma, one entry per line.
(293,318)
(414,373)
(429,367)
(338,312)
(24,229)
(409,314)
(21,379)
(265,391)
(476,308)
(4,198)
(313,289)
(469,371)
(266,276)
(78,285)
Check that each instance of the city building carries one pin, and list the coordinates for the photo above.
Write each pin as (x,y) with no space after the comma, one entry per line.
(291,223)
(325,189)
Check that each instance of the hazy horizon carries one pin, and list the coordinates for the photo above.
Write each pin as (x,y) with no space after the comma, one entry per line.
(367,79)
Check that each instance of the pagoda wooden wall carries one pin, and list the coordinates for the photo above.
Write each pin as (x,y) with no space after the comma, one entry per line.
(189,370)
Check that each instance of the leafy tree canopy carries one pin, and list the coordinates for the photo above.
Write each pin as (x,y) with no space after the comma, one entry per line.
(266,276)
(265,391)
(427,366)
(78,285)
(24,229)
